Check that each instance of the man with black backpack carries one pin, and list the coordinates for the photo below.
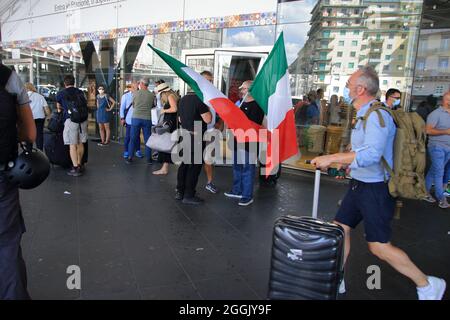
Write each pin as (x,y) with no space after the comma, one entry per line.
(16,124)
(74,105)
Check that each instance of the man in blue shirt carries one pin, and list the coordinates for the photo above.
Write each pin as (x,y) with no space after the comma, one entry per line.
(368,199)
(438,130)
(126,115)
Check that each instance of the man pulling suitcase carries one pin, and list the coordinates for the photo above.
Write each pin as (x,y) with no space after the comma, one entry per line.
(368,199)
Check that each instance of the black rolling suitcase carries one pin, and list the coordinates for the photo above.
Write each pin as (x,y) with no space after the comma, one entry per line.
(307,257)
(57,153)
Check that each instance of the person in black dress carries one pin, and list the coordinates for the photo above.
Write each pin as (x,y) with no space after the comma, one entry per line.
(169,100)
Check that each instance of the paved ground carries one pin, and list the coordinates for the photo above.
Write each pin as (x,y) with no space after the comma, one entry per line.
(132,241)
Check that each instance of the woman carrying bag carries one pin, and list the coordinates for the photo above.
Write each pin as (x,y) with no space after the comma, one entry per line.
(105,104)
(169,100)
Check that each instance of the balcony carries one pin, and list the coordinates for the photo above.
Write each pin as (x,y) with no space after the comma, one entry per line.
(322,48)
(322,70)
(374,42)
(321,59)
(329,37)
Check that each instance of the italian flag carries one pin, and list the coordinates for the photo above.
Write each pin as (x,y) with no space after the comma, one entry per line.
(213,98)
(272,91)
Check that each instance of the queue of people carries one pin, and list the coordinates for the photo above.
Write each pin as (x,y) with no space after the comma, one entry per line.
(368,199)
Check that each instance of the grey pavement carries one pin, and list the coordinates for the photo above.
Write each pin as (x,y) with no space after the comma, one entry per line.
(132,240)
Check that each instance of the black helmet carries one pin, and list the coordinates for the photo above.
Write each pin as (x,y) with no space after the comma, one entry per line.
(29,170)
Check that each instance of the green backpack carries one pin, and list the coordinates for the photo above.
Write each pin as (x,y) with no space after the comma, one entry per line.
(408,175)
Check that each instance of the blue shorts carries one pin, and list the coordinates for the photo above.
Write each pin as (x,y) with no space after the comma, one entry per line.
(371,203)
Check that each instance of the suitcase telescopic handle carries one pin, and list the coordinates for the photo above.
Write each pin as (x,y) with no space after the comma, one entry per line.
(316,192)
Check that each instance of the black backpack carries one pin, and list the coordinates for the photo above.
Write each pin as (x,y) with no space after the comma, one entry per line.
(8,119)
(77,107)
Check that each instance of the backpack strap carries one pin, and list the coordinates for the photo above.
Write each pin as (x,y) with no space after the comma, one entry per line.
(376,107)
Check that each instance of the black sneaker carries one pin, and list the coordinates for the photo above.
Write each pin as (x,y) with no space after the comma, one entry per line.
(179,196)
(129,161)
(194,201)
(74,172)
(211,188)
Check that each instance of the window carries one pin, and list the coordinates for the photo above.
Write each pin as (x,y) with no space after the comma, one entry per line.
(399,67)
(356,11)
(401,57)
(353,54)
(439,90)
(402,47)
(355,32)
(443,62)
(385,82)
(322,66)
(338,65)
(386,68)
(354,43)
(423,45)
(392,26)
(404,36)
(339,54)
(326,33)
(322,77)
(421,64)
(389,46)
(336,89)
(363,47)
(388,57)
(323,55)
(445,42)
(351,65)
(341,43)
(343,32)
(391,35)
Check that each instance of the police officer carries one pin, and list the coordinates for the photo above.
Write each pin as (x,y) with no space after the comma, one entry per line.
(16,124)
(368,199)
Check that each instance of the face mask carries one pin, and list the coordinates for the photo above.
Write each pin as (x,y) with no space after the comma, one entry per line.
(396,103)
(347,98)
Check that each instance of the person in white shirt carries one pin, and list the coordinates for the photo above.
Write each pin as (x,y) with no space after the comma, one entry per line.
(40,110)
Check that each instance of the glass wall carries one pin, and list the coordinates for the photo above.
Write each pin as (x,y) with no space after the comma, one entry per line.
(326,41)
(432,72)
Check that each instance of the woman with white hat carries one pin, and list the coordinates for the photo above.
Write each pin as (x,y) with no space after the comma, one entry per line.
(169,100)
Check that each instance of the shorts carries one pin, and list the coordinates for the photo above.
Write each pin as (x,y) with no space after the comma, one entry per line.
(75,133)
(372,204)
(209,155)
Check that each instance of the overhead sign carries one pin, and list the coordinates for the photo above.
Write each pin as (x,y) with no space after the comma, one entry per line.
(43,19)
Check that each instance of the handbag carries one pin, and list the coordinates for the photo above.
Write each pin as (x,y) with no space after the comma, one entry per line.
(161,138)
(161,142)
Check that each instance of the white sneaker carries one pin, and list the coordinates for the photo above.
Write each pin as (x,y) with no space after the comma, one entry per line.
(342,288)
(429,199)
(443,204)
(434,291)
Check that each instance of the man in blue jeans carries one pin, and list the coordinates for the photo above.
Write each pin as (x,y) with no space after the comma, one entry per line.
(126,117)
(438,130)
(368,199)
(143,101)
(245,155)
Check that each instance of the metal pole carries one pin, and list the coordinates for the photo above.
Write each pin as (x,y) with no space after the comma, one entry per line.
(316,194)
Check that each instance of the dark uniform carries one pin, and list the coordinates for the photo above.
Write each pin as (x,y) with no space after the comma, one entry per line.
(13,279)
